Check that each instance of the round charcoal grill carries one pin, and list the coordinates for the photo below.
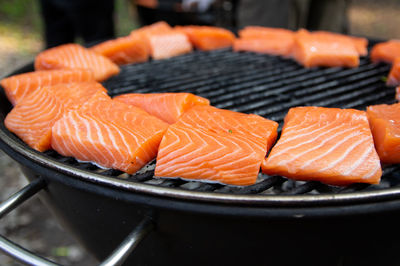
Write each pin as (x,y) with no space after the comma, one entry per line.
(214,224)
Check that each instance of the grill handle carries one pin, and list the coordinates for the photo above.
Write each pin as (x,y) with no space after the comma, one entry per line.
(23,255)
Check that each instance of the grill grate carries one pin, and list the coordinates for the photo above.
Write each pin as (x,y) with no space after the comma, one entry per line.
(253,83)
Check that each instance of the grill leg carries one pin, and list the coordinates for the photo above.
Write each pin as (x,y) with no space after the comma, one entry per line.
(7,206)
(131,241)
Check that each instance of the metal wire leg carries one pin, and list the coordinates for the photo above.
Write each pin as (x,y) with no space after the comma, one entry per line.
(25,256)
(131,241)
(10,204)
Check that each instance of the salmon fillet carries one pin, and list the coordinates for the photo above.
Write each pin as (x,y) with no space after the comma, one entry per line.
(361,44)
(162,40)
(251,32)
(266,40)
(32,118)
(170,44)
(75,56)
(385,51)
(192,153)
(281,47)
(166,106)
(155,28)
(17,87)
(110,134)
(211,144)
(384,121)
(144,33)
(394,74)
(256,128)
(207,38)
(330,145)
(311,50)
(124,50)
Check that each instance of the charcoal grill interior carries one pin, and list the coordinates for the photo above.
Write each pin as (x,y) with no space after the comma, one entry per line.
(252,83)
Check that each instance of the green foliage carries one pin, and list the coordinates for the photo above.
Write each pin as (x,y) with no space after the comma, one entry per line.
(26,15)
(22,13)
(125,17)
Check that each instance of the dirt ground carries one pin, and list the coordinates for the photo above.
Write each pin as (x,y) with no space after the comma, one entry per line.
(32,226)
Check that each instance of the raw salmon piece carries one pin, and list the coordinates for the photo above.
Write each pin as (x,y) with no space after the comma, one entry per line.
(166,106)
(398,93)
(312,50)
(217,145)
(281,47)
(384,121)
(192,153)
(385,51)
(155,28)
(162,40)
(251,32)
(256,128)
(207,38)
(394,74)
(361,44)
(274,41)
(32,118)
(124,50)
(170,44)
(76,56)
(145,32)
(110,134)
(74,95)
(17,87)
(330,145)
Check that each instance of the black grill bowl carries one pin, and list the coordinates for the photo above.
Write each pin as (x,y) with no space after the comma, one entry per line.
(274,222)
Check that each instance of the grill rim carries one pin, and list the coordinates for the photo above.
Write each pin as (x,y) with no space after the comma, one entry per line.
(11,146)
(214,197)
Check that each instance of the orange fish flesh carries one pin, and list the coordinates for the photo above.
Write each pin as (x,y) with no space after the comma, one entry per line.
(162,40)
(394,74)
(124,50)
(311,50)
(385,51)
(208,38)
(155,28)
(360,43)
(252,32)
(384,121)
(170,44)
(166,106)
(274,41)
(330,145)
(110,134)
(215,145)
(72,56)
(17,87)
(32,118)
(258,129)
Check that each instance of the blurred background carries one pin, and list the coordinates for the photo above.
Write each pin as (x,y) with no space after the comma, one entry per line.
(21,38)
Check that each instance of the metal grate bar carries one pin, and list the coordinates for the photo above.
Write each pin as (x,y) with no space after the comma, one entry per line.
(261,186)
(304,188)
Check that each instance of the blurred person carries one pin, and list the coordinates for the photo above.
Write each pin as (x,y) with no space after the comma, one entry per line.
(177,12)
(65,20)
(329,15)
